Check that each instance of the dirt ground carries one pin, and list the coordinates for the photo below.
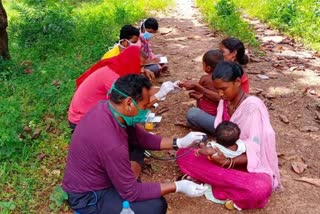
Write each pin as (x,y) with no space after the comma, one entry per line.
(291,92)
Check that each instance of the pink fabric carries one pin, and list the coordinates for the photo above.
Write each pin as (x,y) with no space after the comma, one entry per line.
(225,114)
(252,189)
(93,89)
(256,131)
(246,190)
(145,46)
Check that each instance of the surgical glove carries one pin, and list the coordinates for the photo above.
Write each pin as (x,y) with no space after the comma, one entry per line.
(187,140)
(190,188)
(165,89)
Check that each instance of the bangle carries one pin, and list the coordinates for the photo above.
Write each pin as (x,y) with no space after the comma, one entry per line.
(231,163)
(225,162)
(234,163)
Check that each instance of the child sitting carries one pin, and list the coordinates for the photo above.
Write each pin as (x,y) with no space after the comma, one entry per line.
(203,116)
(147,28)
(128,35)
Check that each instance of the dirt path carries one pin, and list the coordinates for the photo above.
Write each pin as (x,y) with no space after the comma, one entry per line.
(291,94)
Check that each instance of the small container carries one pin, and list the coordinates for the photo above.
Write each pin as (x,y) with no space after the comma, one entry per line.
(149,125)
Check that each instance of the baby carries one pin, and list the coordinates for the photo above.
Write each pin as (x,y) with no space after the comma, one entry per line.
(227,141)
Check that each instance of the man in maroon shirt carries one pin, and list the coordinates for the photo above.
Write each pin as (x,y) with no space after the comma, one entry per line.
(107,148)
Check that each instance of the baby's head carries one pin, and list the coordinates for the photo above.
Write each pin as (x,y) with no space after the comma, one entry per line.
(210,59)
(227,133)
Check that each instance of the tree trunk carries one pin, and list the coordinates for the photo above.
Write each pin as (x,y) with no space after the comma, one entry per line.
(4,50)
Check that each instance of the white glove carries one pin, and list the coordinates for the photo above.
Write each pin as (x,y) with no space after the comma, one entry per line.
(166,88)
(187,140)
(190,188)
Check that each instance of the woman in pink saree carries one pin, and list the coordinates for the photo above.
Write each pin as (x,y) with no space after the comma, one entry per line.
(249,179)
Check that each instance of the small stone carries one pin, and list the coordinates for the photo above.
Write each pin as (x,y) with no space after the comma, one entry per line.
(263,77)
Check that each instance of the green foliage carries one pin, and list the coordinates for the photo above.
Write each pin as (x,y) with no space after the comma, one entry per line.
(224,16)
(51,43)
(43,26)
(298,18)
(6,207)
(57,198)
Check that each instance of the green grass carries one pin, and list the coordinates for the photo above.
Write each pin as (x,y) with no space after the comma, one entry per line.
(297,18)
(224,15)
(56,41)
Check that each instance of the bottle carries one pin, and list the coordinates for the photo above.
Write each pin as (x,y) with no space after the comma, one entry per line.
(126,208)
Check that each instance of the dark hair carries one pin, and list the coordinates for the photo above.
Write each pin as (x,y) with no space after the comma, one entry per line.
(130,85)
(227,71)
(234,44)
(212,58)
(128,31)
(151,23)
(227,133)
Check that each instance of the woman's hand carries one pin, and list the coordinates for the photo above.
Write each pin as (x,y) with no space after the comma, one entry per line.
(218,157)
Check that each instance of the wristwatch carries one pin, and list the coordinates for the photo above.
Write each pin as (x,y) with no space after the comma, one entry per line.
(174,144)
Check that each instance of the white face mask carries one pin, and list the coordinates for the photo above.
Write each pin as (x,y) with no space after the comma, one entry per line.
(130,43)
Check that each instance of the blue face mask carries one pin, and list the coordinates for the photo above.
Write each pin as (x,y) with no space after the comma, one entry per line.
(147,35)
(130,121)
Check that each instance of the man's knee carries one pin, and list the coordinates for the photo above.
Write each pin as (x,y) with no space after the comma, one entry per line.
(160,205)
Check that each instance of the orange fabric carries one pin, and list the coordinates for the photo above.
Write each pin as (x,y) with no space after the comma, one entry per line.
(127,62)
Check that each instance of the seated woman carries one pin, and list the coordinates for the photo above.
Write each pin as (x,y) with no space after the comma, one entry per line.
(94,84)
(249,179)
(233,50)
(106,153)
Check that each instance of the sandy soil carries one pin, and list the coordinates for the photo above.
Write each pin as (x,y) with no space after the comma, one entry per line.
(291,93)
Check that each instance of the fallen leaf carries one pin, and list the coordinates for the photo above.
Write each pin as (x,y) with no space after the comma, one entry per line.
(172,153)
(263,77)
(27,70)
(56,172)
(312,92)
(56,83)
(309,129)
(269,96)
(313,181)
(162,110)
(255,71)
(299,167)
(41,156)
(27,129)
(284,118)
(36,134)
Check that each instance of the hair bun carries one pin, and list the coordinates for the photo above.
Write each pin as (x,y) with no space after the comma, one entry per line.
(244,60)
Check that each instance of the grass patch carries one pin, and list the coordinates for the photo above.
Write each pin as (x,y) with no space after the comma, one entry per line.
(51,43)
(297,18)
(224,16)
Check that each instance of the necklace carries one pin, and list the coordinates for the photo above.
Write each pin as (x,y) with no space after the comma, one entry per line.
(232,108)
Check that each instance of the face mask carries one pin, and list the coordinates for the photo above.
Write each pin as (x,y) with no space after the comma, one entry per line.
(129,43)
(130,121)
(147,35)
